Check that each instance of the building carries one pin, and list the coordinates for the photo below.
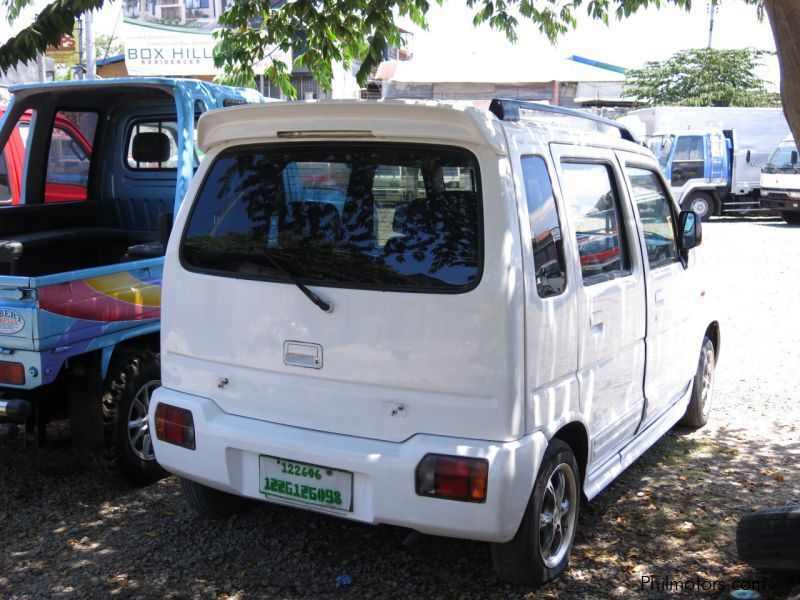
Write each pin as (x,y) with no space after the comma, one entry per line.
(570,82)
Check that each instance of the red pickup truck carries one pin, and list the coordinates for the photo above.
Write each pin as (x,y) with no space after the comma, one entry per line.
(68,157)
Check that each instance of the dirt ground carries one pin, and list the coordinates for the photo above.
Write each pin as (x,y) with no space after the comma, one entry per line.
(71,529)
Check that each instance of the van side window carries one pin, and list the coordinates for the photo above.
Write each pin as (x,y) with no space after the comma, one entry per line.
(70,155)
(546,241)
(655,212)
(591,194)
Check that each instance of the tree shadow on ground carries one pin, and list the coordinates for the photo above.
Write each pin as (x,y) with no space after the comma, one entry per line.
(671,515)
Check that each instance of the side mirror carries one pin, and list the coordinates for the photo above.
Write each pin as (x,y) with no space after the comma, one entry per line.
(691,230)
(747,158)
(794,157)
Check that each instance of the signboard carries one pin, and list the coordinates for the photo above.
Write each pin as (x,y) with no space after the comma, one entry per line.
(154,51)
(174,37)
(66,53)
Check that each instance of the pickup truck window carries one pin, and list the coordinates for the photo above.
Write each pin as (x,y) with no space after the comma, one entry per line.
(546,241)
(368,216)
(165,126)
(5,185)
(590,192)
(69,156)
(655,213)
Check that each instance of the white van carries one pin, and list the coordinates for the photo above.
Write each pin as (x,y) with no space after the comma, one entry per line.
(438,317)
(780,182)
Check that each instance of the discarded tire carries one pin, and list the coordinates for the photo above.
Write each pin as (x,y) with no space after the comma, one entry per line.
(769,539)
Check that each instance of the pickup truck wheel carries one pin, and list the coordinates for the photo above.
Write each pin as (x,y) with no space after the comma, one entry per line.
(699,408)
(131,379)
(793,218)
(769,539)
(540,549)
(211,503)
(702,204)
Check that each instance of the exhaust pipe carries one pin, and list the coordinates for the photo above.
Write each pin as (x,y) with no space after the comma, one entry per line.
(15,411)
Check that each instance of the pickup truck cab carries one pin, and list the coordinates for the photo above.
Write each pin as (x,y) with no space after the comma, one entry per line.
(433,316)
(90,175)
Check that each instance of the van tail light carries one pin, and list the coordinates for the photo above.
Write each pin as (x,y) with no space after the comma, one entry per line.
(13,373)
(453,477)
(175,425)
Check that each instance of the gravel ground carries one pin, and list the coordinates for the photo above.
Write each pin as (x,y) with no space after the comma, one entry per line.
(72,529)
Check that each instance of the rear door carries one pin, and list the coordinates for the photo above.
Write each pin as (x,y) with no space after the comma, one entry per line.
(611,295)
(424,335)
(669,361)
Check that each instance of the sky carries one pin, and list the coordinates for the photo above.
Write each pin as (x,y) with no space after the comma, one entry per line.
(651,34)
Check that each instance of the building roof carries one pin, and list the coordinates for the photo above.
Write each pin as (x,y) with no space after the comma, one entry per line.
(478,69)
(110,59)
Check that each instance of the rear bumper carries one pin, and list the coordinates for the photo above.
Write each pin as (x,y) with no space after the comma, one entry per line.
(227,458)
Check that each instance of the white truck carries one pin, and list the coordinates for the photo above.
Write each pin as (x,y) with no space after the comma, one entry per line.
(780,182)
(711,156)
(463,350)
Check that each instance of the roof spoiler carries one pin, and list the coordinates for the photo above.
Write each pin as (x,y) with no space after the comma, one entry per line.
(509,110)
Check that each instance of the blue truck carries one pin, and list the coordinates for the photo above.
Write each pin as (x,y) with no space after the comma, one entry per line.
(711,156)
(80,270)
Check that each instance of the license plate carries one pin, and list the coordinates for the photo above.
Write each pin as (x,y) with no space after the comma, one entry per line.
(304,483)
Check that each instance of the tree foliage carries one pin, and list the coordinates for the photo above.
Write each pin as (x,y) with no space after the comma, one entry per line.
(702,77)
(51,24)
(324,32)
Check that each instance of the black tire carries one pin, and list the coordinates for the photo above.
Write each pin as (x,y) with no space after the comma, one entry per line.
(699,408)
(793,218)
(131,377)
(701,203)
(211,503)
(769,539)
(521,561)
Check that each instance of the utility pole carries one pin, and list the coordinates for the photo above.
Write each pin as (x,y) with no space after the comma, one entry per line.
(712,10)
(90,55)
(79,74)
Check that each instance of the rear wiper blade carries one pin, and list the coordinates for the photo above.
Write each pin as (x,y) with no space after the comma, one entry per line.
(324,306)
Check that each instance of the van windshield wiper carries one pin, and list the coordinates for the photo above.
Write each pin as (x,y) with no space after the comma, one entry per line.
(275,263)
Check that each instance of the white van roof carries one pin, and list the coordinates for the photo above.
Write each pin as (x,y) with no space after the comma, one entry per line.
(457,122)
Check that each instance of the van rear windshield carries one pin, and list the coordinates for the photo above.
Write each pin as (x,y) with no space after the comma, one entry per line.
(372,216)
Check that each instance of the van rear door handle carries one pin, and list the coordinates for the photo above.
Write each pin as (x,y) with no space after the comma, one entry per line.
(659,296)
(302,354)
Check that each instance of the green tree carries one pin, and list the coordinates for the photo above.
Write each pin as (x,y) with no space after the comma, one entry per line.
(348,31)
(107,45)
(703,77)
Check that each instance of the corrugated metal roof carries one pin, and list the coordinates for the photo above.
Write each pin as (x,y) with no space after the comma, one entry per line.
(476,69)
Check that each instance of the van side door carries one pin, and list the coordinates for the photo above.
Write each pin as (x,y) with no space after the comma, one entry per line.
(611,296)
(670,350)
(550,306)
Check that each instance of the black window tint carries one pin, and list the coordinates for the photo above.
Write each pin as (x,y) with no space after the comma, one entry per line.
(655,212)
(546,241)
(591,194)
(365,216)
